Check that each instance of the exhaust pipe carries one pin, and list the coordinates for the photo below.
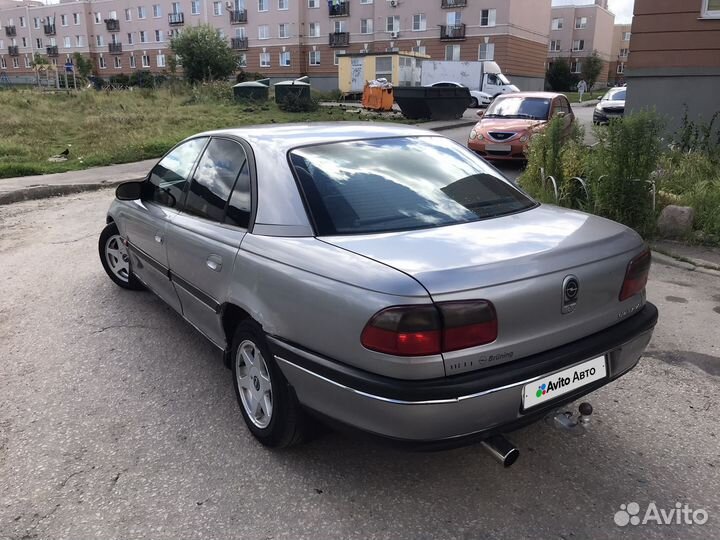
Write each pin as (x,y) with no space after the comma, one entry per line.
(501,449)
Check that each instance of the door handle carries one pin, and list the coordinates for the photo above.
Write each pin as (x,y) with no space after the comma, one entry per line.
(214,263)
(158,239)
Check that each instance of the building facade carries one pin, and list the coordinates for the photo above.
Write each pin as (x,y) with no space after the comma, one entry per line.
(619,54)
(675,59)
(278,38)
(577,31)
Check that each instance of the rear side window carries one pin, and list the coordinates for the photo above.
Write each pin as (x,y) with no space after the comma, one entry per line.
(214,179)
(168,178)
(395,184)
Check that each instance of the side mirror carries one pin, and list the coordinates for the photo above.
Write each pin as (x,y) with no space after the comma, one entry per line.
(481,113)
(129,191)
(561,114)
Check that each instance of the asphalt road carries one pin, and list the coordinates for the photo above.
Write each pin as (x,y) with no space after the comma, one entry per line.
(513,170)
(118,420)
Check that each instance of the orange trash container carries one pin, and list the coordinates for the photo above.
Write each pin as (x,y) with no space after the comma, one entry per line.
(377,98)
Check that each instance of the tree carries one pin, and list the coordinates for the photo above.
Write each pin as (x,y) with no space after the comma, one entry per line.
(592,66)
(84,65)
(559,77)
(204,54)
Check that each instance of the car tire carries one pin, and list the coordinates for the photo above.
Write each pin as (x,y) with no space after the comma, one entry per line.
(474,104)
(267,402)
(116,260)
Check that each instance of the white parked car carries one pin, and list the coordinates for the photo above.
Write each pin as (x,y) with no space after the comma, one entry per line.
(477,98)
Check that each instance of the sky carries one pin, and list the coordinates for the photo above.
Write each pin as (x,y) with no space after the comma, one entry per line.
(623,9)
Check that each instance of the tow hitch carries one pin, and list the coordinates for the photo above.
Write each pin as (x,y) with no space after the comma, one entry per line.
(566,421)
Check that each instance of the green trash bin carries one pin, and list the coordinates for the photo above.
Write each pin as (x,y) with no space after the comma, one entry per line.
(300,87)
(255,90)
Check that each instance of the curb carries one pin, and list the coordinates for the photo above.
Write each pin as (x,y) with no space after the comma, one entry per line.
(677,263)
(47,190)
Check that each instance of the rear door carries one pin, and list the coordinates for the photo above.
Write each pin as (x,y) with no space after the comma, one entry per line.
(145,220)
(203,239)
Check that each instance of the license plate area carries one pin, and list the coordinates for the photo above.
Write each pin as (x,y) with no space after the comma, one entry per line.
(498,147)
(558,383)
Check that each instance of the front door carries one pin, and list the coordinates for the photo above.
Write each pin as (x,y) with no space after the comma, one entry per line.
(146,219)
(204,238)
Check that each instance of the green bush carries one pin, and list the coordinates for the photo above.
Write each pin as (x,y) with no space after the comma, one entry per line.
(702,137)
(210,92)
(296,103)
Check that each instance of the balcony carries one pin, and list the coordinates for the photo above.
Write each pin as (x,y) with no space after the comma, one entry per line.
(112,25)
(13,50)
(176,19)
(239,43)
(339,10)
(52,51)
(10,31)
(49,29)
(238,16)
(454,32)
(340,39)
(115,48)
(449,4)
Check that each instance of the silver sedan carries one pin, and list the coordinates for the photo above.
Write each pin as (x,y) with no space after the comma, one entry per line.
(381,277)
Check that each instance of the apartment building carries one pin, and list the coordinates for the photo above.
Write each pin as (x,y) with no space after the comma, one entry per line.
(675,58)
(576,31)
(279,38)
(619,54)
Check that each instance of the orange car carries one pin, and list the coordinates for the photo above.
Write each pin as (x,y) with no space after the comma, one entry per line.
(509,122)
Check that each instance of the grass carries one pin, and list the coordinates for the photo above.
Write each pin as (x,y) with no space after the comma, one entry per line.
(574,97)
(105,128)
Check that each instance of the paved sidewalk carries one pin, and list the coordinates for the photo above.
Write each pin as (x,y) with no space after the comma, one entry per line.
(690,257)
(50,185)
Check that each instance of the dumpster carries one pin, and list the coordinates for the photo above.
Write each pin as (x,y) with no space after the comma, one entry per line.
(378,96)
(444,103)
(256,90)
(300,87)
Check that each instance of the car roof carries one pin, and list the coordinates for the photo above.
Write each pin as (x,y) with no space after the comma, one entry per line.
(545,95)
(284,137)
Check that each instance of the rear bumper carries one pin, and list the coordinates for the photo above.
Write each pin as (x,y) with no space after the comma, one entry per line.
(451,410)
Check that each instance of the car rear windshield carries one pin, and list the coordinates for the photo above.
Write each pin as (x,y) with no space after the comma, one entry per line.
(519,107)
(395,184)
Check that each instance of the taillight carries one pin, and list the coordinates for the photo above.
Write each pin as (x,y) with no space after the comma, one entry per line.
(636,275)
(427,330)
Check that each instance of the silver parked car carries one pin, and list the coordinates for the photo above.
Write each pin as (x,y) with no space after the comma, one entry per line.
(382,277)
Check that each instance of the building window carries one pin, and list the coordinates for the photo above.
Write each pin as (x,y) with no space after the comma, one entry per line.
(36,22)
(392,24)
(118,62)
(3,63)
(578,45)
(366,1)
(285,59)
(100,40)
(339,26)
(626,36)
(160,60)
(22,22)
(263,6)
(16,64)
(195,7)
(76,19)
(335,56)
(101,63)
(383,67)
(575,66)
(314,58)
(98,17)
(38,42)
(24,42)
(487,17)
(132,62)
(284,30)
(283,4)
(158,36)
(157,12)
(217,8)
(130,38)
(314,29)
(79,41)
(67,42)
(263,31)
(145,61)
(452,53)
(557,24)
(555,45)
(419,22)
(63,20)
(141,12)
(621,68)
(421,49)
(581,22)
(242,60)
(486,51)
(312,4)
(366,26)
(624,53)
(143,36)
(264,59)
(711,8)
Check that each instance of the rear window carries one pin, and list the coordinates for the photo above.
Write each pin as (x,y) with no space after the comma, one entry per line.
(395,184)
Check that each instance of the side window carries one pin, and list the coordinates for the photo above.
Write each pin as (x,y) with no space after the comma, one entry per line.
(492,79)
(566,106)
(238,211)
(214,179)
(167,180)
